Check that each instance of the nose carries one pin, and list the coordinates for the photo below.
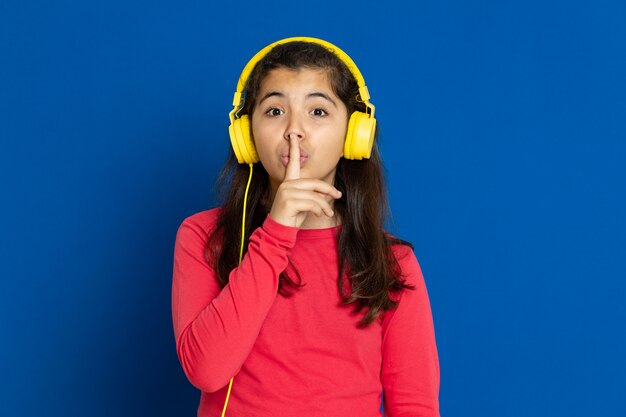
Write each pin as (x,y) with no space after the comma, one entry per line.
(294,127)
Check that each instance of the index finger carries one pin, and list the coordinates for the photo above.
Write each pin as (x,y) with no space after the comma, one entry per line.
(293,166)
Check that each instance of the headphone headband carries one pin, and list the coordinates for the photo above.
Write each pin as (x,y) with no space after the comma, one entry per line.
(245,74)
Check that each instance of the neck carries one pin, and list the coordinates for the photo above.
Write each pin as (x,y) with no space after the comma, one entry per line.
(322,222)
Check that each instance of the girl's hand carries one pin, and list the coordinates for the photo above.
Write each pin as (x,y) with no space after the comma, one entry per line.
(297,197)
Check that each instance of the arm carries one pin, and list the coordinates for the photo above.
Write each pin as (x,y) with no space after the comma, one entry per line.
(410,370)
(216,328)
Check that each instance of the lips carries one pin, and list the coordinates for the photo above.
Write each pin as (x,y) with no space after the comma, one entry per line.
(284,157)
(285,160)
(285,153)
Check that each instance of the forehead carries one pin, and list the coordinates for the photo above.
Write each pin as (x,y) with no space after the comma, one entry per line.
(305,79)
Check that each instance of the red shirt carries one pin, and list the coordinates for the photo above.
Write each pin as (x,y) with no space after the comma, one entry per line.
(304,355)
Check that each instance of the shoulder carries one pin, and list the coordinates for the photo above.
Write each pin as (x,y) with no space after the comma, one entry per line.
(200,224)
(409,272)
(205,219)
(408,266)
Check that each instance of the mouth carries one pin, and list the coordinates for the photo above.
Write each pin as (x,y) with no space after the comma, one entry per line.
(285,160)
(284,157)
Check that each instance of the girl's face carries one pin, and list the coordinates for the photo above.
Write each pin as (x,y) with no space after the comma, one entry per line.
(299,103)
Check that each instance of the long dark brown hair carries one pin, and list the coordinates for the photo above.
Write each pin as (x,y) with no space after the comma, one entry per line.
(366,258)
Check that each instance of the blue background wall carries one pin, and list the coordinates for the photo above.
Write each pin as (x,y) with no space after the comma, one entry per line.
(504,136)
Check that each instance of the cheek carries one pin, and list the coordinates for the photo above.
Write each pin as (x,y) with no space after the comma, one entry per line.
(262,127)
(264,142)
(256,126)
(259,134)
(341,140)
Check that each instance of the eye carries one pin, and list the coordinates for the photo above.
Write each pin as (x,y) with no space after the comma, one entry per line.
(273,111)
(320,112)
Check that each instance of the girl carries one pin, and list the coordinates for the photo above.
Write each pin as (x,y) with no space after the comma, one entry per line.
(306,307)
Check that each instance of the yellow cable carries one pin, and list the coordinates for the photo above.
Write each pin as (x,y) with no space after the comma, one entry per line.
(227,396)
(243,222)
(243,235)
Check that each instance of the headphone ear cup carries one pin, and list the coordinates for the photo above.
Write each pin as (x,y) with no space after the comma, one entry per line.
(360,136)
(242,142)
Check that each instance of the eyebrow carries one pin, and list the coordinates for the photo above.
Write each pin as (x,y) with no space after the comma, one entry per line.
(310,95)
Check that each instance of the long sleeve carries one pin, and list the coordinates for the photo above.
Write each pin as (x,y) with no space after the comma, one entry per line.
(216,328)
(410,370)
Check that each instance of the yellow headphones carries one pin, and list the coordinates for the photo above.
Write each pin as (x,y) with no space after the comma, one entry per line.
(361,126)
